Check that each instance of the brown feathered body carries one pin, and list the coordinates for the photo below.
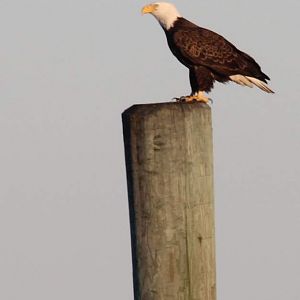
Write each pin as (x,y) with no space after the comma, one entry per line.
(210,57)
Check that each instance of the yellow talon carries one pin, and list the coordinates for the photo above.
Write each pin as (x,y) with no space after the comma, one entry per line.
(197,97)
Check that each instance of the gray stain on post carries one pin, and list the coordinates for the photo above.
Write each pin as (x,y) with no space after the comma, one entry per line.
(169,162)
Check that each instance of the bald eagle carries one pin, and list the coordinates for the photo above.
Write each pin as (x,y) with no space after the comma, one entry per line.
(208,56)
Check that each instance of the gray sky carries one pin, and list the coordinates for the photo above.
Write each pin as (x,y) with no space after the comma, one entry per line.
(68,70)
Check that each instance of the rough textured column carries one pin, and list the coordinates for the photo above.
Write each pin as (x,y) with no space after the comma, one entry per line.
(169,162)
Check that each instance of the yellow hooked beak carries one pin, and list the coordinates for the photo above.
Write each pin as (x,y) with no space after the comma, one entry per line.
(148,9)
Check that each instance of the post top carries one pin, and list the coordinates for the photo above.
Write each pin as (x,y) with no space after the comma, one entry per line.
(146,109)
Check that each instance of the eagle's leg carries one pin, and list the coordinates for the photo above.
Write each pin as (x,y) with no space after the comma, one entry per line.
(201,80)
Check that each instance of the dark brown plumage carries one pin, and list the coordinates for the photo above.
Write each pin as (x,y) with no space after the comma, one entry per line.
(209,56)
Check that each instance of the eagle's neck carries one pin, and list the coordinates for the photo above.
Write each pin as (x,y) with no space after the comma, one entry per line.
(167,20)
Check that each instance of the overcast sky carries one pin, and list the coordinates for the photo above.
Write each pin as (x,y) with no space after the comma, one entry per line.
(68,70)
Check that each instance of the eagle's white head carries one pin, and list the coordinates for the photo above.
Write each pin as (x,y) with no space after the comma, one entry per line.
(165,13)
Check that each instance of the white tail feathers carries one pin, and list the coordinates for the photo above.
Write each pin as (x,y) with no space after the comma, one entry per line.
(262,85)
(249,81)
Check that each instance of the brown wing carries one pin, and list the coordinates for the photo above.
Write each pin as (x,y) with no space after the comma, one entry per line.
(200,46)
